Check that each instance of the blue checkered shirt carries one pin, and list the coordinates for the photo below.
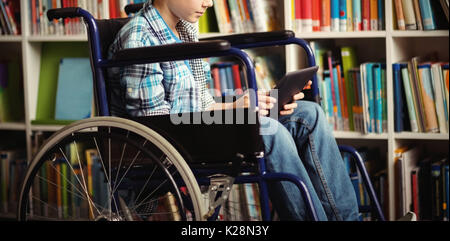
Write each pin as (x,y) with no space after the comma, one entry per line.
(158,88)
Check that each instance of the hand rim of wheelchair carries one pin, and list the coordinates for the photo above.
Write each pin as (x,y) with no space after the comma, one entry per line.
(125,124)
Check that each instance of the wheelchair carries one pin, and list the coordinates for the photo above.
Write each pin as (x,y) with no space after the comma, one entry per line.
(150,168)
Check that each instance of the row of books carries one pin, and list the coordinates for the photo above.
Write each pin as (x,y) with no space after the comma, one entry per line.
(378,176)
(10,17)
(421,14)
(11,92)
(100,9)
(229,78)
(13,165)
(337,15)
(353,96)
(241,16)
(421,96)
(422,184)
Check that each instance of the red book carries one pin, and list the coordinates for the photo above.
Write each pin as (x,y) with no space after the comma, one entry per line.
(316,15)
(366,14)
(34,16)
(325,20)
(306,9)
(112,9)
(298,16)
(216,79)
(237,79)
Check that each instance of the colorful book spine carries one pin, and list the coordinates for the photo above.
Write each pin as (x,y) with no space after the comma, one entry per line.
(366,14)
(374,15)
(335,15)
(298,16)
(307,21)
(409,98)
(417,14)
(378,110)
(371,98)
(384,116)
(339,116)
(316,15)
(381,10)
(357,18)
(343,15)
(349,16)
(436,80)
(325,20)
(431,124)
(400,15)
(427,15)
(398,101)
(410,18)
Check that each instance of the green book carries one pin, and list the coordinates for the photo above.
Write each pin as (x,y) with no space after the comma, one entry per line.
(11,93)
(349,61)
(51,55)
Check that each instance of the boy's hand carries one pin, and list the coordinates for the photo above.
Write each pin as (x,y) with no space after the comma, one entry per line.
(289,108)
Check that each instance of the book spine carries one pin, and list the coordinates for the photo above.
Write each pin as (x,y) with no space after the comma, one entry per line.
(298,16)
(366,15)
(325,23)
(409,99)
(384,116)
(307,21)
(417,94)
(237,79)
(374,15)
(216,79)
(436,79)
(343,98)
(410,18)
(349,16)
(334,15)
(357,18)
(400,15)
(343,15)
(398,122)
(418,15)
(427,15)
(316,15)
(431,124)
(339,116)
(378,98)
(381,19)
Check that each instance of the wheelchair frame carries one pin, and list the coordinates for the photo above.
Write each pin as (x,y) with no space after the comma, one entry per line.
(224,47)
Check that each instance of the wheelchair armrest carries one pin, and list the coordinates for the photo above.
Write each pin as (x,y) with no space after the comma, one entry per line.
(249,38)
(171,52)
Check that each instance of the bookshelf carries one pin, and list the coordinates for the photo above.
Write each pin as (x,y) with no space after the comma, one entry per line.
(390,45)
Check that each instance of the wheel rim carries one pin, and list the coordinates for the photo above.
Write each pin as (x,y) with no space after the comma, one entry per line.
(148,135)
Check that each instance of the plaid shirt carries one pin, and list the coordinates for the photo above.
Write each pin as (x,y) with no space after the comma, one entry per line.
(158,88)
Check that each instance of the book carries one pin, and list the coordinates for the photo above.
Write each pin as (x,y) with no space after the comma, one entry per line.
(75,89)
(436,80)
(381,17)
(334,7)
(409,159)
(316,15)
(427,15)
(350,16)
(400,15)
(410,18)
(325,20)
(418,14)
(11,94)
(306,16)
(349,61)
(374,15)
(357,18)
(365,7)
(410,98)
(398,98)
(343,15)
(431,124)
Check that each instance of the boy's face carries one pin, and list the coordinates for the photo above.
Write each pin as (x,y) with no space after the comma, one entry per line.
(189,10)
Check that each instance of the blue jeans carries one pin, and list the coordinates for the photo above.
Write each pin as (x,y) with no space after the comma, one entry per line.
(304,145)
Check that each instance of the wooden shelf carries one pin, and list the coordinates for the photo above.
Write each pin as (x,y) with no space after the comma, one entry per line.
(15,126)
(421,136)
(421,34)
(49,128)
(10,38)
(58,38)
(358,135)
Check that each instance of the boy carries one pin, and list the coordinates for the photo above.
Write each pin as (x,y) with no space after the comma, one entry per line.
(303,144)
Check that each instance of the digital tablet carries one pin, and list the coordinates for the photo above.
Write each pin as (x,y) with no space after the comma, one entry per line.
(293,83)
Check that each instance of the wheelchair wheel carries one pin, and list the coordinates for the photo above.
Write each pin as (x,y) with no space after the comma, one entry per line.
(110,169)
